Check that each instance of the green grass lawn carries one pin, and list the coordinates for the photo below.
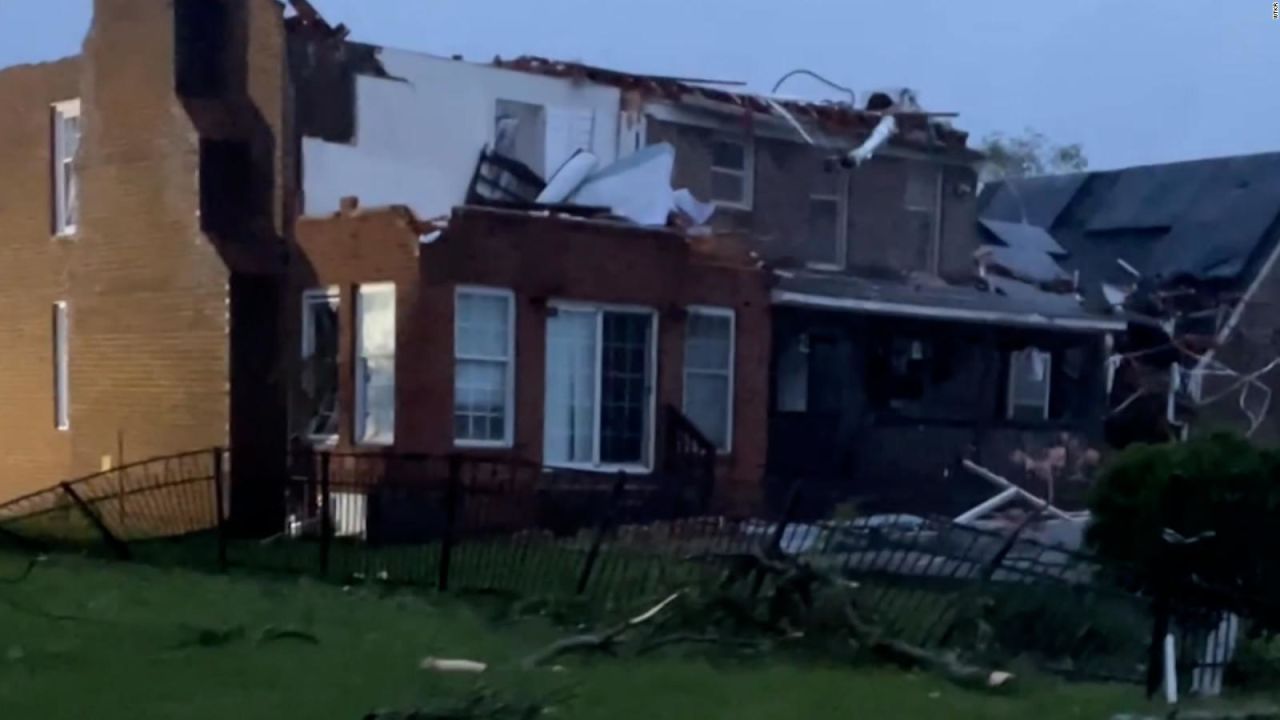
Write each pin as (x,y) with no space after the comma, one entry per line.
(86,639)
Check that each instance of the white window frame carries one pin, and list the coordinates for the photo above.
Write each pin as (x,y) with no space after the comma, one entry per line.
(357,421)
(600,309)
(747,172)
(62,111)
(916,169)
(308,345)
(729,374)
(508,430)
(841,198)
(61,366)
(1011,403)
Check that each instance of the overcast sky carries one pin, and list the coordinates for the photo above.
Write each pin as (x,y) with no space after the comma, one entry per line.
(1135,81)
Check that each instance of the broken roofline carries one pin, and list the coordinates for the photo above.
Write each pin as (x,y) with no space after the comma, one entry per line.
(941,312)
(837,116)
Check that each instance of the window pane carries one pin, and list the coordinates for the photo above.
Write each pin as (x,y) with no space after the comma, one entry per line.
(320,363)
(376,352)
(624,387)
(61,368)
(793,376)
(824,230)
(727,187)
(921,188)
(707,341)
(379,404)
(1031,370)
(570,404)
(728,154)
(70,136)
(71,198)
(482,329)
(480,398)
(707,405)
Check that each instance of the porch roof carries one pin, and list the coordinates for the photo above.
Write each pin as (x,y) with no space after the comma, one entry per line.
(1009,303)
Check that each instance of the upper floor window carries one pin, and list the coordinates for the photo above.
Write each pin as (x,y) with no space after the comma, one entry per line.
(828,221)
(921,198)
(708,373)
(483,374)
(732,171)
(1030,381)
(921,194)
(66,185)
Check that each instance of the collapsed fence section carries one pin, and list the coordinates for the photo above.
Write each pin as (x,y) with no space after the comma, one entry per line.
(463,523)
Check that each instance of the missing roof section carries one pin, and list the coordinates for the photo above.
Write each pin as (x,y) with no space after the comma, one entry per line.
(324,66)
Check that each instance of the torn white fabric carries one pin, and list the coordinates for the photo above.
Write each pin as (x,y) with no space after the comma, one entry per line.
(569,177)
(885,130)
(638,188)
(698,211)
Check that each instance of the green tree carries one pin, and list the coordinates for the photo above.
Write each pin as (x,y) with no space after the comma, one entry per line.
(1028,155)
(1219,488)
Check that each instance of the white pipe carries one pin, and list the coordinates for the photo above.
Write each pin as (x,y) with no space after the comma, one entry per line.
(1170,671)
(791,119)
(986,474)
(887,126)
(986,506)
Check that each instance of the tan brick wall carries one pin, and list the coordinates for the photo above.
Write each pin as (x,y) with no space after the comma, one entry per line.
(33,275)
(147,290)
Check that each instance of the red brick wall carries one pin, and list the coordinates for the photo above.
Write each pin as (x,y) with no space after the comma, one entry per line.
(881,233)
(539,259)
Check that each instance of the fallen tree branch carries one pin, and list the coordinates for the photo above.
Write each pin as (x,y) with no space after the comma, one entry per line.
(946,664)
(599,642)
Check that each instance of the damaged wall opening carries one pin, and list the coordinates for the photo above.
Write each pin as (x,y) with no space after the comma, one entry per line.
(202,30)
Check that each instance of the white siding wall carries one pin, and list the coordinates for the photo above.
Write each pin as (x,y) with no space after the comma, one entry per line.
(417,140)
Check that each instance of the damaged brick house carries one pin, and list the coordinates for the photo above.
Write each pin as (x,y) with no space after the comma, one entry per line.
(184,269)
(1186,253)
(883,342)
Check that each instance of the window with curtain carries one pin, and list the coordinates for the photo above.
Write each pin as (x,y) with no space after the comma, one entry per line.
(708,373)
(483,344)
(1030,378)
(375,415)
(320,362)
(599,386)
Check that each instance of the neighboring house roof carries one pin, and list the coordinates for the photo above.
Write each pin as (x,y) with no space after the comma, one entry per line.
(1208,221)
(1012,303)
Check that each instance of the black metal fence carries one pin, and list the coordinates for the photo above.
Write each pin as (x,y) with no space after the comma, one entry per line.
(465,523)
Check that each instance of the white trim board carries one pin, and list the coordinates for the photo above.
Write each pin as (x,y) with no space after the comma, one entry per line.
(934,312)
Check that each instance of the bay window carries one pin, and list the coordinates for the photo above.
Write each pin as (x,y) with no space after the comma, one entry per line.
(599,386)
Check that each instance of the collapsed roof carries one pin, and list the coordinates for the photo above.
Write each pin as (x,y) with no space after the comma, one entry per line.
(1204,222)
(916,127)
